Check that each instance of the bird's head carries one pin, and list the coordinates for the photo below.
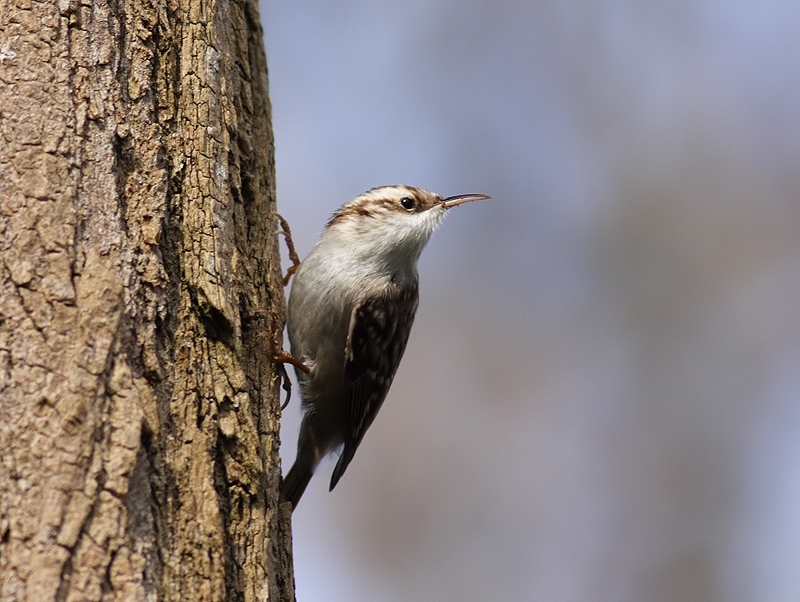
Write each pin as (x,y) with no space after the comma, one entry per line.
(393,222)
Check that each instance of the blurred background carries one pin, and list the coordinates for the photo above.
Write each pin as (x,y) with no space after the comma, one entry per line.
(600,400)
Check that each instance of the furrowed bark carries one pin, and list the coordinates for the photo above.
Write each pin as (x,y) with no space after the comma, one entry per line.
(139,279)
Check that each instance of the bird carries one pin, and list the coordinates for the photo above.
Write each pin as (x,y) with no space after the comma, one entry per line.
(349,315)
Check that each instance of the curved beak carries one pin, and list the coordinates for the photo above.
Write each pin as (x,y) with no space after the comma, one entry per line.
(452,201)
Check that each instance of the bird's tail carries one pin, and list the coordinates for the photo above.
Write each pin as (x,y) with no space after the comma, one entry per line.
(296,481)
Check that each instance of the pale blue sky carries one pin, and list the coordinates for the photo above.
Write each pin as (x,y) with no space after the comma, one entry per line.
(601,396)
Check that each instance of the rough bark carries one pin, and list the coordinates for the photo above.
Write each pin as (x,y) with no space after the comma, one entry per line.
(139,275)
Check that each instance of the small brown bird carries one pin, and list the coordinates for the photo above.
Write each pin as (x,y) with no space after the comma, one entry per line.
(350,312)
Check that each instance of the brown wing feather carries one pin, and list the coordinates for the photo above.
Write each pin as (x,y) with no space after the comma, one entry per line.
(379,329)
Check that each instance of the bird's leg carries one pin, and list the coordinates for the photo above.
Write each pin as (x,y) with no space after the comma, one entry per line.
(281,356)
(287,234)
(284,357)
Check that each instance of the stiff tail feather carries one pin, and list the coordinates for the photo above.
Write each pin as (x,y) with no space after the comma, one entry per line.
(295,482)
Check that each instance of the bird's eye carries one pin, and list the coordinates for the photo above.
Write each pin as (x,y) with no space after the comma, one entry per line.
(407,202)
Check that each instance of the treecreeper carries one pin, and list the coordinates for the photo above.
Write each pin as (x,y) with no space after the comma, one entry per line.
(350,312)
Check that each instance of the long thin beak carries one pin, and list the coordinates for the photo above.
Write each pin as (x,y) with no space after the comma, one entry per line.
(452,201)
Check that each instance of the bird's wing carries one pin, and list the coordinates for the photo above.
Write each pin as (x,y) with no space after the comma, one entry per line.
(379,328)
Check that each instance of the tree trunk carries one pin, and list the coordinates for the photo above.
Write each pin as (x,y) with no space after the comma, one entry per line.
(139,280)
